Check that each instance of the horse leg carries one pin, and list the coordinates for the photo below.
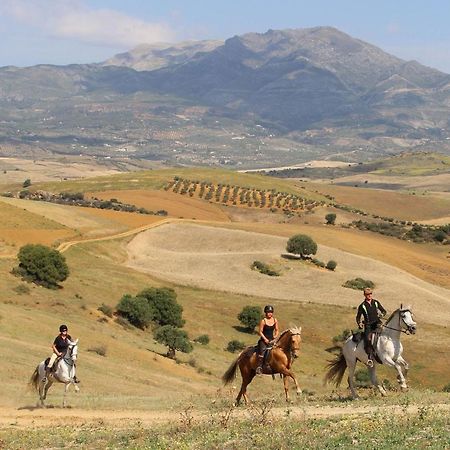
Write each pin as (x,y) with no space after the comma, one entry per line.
(66,388)
(351,373)
(404,364)
(374,380)
(287,373)
(400,378)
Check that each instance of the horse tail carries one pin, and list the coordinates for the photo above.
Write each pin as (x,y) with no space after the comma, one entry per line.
(34,380)
(336,370)
(230,374)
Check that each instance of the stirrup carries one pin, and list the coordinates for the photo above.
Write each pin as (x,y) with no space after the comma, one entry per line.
(259,370)
(370,362)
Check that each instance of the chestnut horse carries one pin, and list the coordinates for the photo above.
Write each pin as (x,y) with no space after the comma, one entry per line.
(285,349)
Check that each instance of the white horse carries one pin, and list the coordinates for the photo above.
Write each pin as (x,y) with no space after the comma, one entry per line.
(64,373)
(388,349)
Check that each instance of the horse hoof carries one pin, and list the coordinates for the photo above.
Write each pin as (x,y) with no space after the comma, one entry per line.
(299,392)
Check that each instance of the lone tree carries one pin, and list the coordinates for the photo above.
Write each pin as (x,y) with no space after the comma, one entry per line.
(174,338)
(42,265)
(250,317)
(26,183)
(301,244)
(136,310)
(163,302)
(330,218)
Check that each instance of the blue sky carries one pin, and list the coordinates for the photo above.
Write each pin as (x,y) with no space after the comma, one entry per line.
(82,31)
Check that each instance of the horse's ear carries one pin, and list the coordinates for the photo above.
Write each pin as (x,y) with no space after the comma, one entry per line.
(401,306)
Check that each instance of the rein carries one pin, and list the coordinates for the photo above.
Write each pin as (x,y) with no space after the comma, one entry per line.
(395,329)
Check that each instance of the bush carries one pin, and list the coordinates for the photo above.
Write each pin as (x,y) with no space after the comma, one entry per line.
(234,346)
(22,289)
(42,265)
(136,310)
(362,377)
(264,269)
(163,302)
(203,339)
(174,338)
(331,265)
(330,218)
(250,316)
(302,245)
(446,388)
(106,310)
(26,183)
(359,284)
(318,262)
(100,350)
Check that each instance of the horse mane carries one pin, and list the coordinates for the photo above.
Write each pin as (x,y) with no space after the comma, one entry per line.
(402,308)
(292,330)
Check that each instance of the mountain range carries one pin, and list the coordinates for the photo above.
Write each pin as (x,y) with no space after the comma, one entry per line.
(316,87)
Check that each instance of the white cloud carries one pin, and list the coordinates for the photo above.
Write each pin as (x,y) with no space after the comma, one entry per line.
(73,19)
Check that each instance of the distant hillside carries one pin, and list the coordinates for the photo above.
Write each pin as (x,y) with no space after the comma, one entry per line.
(156,56)
(255,100)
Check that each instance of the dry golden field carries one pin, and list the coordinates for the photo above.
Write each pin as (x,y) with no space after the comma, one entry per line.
(206,261)
(403,206)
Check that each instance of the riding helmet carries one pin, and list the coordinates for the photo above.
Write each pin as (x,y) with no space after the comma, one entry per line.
(62,328)
(268,308)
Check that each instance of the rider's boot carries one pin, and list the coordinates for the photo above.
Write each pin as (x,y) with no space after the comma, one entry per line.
(259,368)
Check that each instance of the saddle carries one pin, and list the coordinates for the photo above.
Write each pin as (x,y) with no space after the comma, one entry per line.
(358,336)
(265,365)
(55,364)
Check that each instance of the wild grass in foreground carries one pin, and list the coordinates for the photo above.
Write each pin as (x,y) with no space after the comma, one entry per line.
(260,428)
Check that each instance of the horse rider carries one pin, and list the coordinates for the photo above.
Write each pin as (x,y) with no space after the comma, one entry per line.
(268,331)
(371,310)
(59,347)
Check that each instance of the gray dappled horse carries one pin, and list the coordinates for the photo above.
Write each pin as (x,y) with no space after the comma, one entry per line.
(63,373)
(388,348)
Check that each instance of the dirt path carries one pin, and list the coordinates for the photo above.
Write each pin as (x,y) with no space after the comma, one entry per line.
(31,417)
(66,245)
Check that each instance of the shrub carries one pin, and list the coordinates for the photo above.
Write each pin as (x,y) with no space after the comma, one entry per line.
(234,346)
(203,339)
(42,265)
(359,284)
(446,388)
(250,317)
(331,265)
(26,183)
(106,310)
(22,289)
(342,337)
(174,338)
(330,218)
(362,377)
(100,350)
(318,262)
(136,310)
(264,269)
(440,236)
(163,302)
(302,245)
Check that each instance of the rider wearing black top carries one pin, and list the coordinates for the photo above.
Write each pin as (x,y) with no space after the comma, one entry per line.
(370,309)
(268,330)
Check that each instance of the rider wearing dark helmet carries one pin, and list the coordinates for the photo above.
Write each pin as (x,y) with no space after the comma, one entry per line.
(59,347)
(371,310)
(268,331)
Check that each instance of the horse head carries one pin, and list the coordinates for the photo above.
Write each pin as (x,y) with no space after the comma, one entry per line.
(294,341)
(406,320)
(73,349)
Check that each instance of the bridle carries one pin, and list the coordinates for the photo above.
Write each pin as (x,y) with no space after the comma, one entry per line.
(401,319)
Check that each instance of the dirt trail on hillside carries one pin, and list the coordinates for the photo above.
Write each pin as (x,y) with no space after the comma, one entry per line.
(31,417)
(220,259)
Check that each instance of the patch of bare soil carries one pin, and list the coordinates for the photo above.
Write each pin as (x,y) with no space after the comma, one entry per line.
(31,417)
(219,259)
